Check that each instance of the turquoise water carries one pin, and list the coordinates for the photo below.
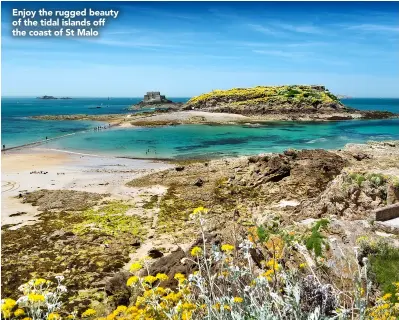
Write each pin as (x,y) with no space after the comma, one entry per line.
(18,128)
(187,141)
(196,141)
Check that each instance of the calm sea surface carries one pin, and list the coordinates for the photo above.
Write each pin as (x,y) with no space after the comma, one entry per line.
(185,141)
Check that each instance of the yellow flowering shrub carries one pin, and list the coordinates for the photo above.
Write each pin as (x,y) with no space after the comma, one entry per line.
(196,251)
(89,313)
(227,247)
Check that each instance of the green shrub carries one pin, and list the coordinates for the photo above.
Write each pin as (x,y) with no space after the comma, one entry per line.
(385,267)
(376,179)
(317,242)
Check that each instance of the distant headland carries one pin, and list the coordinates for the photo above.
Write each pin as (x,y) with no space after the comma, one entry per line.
(52,98)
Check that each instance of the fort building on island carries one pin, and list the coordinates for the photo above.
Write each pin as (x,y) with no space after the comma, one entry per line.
(154,96)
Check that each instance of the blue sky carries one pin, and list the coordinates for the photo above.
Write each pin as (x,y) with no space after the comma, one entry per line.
(187,48)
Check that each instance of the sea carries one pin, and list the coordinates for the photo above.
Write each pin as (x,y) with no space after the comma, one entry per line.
(183,141)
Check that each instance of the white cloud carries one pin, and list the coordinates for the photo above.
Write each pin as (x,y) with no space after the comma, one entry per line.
(262,29)
(374,27)
(300,28)
(281,53)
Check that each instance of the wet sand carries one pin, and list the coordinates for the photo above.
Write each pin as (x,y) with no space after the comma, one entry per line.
(60,170)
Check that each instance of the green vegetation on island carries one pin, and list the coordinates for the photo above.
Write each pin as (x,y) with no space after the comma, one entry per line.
(290,102)
(264,98)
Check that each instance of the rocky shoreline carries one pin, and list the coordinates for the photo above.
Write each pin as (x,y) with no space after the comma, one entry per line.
(295,187)
(176,117)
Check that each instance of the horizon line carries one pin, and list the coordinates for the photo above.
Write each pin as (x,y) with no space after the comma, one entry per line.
(140,97)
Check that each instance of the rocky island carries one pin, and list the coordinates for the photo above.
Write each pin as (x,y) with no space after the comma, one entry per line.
(237,106)
(155,99)
(294,102)
(53,98)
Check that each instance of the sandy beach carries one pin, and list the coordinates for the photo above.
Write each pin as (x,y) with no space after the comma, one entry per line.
(31,169)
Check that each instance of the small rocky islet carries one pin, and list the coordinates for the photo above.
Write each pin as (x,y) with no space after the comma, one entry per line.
(295,102)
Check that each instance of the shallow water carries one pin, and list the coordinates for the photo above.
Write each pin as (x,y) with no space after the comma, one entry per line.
(186,141)
(197,141)
(18,128)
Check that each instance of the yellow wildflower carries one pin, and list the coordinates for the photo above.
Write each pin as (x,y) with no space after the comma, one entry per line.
(53,316)
(387,296)
(186,315)
(135,267)
(227,247)
(140,301)
(302,265)
(216,306)
(159,290)
(89,313)
(132,309)
(27,318)
(8,304)
(162,277)
(132,280)
(196,251)
(200,210)
(226,307)
(150,279)
(273,264)
(188,306)
(238,299)
(19,312)
(120,309)
(268,274)
(36,297)
(6,314)
(180,277)
(39,282)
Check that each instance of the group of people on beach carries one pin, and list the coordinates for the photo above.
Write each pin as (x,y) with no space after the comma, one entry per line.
(39,172)
(148,151)
(102,127)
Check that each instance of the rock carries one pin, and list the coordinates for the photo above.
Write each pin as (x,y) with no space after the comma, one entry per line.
(116,287)
(392,194)
(60,235)
(155,253)
(136,244)
(344,197)
(257,256)
(199,182)
(177,262)
(377,115)
(170,265)
(253,159)
(290,153)
(361,156)
(180,168)
(66,200)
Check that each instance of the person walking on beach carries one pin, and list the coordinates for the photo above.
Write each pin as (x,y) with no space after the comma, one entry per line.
(4,146)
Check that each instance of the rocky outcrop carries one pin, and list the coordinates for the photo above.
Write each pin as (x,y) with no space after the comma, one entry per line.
(53,98)
(292,175)
(47,98)
(66,200)
(350,195)
(155,99)
(296,102)
(179,261)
